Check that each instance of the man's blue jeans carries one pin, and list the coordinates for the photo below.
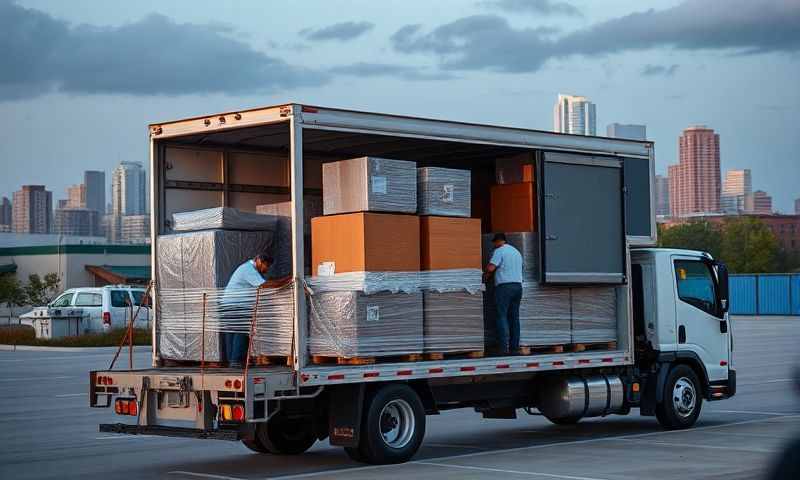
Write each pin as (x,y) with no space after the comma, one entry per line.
(234,346)
(506,298)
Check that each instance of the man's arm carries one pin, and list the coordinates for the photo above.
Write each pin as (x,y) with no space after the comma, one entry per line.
(491,267)
(277,282)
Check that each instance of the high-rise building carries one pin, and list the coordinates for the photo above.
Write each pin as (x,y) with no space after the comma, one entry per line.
(762,202)
(32,210)
(76,196)
(797,206)
(128,189)
(662,195)
(5,212)
(694,183)
(574,114)
(135,229)
(630,132)
(95,183)
(76,221)
(736,188)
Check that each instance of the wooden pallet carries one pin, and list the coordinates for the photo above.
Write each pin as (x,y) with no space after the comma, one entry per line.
(580,347)
(327,360)
(263,360)
(541,349)
(453,355)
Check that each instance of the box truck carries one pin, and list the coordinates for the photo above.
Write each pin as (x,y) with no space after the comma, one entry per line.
(594,223)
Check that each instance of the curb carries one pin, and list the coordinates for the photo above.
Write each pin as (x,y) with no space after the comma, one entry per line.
(32,348)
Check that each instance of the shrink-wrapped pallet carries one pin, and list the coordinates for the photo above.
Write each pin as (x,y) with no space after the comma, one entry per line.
(594,314)
(369,184)
(528,245)
(443,191)
(452,310)
(221,218)
(544,315)
(282,249)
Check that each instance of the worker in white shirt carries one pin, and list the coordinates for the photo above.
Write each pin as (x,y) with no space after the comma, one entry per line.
(506,267)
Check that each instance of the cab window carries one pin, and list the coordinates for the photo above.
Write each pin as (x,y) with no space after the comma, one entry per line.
(696,285)
(63,301)
(119,298)
(89,300)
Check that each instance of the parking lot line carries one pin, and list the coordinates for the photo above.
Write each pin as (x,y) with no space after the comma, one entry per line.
(455,445)
(751,412)
(203,475)
(696,445)
(513,472)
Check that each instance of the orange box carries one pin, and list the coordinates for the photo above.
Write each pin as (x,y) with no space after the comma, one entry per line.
(513,208)
(450,242)
(365,241)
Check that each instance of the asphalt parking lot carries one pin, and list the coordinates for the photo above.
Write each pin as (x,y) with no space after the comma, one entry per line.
(47,430)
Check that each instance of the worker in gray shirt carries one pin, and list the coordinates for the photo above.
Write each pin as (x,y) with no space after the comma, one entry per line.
(506,267)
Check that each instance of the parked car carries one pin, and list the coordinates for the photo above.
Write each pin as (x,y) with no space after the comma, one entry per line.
(106,307)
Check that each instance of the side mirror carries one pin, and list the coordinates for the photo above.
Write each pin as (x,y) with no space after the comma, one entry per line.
(722,279)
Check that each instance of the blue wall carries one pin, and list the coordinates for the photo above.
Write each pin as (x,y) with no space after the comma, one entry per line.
(765,294)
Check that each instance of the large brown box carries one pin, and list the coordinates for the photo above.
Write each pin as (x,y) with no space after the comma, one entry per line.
(516,169)
(513,208)
(449,242)
(359,242)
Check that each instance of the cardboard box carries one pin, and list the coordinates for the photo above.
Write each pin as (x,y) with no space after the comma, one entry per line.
(527,243)
(358,242)
(369,184)
(516,169)
(594,314)
(513,208)
(453,321)
(449,242)
(443,191)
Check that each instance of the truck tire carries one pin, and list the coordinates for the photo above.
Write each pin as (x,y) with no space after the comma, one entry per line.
(564,420)
(392,428)
(682,399)
(283,436)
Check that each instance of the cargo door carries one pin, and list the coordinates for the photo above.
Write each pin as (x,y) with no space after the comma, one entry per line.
(582,219)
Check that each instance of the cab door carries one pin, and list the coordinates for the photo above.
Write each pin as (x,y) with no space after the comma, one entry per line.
(700,318)
(120,307)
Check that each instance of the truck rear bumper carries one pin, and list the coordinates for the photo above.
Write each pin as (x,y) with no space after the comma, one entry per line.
(223,434)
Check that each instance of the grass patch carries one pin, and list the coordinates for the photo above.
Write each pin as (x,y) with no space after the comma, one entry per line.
(25,335)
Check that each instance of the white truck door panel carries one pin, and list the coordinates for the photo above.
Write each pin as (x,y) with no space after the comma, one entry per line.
(119,306)
(696,315)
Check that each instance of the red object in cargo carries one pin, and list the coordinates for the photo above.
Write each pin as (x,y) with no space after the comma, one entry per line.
(513,208)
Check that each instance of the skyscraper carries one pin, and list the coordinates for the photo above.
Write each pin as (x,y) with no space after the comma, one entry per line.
(694,183)
(5,212)
(32,210)
(574,114)
(95,182)
(76,196)
(76,221)
(128,189)
(735,190)
(662,195)
(762,202)
(631,132)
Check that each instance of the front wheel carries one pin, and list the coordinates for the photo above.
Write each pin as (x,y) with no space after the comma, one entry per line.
(283,435)
(682,400)
(393,426)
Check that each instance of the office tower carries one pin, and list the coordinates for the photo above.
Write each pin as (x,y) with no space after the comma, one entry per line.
(128,189)
(135,229)
(76,221)
(95,183)
(76,196)
(762,202)
(574,114)
(694,183)
(5,212)
(630,132)
(737,186)
(32,210)
(662,195)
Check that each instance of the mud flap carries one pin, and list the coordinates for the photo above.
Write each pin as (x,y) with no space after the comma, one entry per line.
(344,414)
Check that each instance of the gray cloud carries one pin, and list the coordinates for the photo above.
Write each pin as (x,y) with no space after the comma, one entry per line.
(368,69)
(653,70)
(489,42)
(154,55)
(542,7)
(338,31)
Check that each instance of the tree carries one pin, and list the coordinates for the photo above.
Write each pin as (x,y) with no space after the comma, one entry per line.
(749,246)
(11,293)
(697,235)
(41,292)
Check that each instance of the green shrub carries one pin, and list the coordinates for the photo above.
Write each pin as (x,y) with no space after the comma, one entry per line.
(25,335)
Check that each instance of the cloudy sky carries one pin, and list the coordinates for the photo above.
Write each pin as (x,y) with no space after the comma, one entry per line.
(80,80)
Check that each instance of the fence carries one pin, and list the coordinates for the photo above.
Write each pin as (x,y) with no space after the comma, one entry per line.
(765,294)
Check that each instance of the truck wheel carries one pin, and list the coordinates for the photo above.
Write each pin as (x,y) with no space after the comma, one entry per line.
(682,400)
(564,420)
(393,426)
(283,436)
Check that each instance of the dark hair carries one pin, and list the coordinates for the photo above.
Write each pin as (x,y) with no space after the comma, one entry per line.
(499,236)
(265,258)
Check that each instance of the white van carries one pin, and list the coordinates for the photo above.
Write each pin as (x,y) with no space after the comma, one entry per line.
(107,307)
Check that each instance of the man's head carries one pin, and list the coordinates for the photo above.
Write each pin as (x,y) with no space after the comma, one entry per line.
(499,240)
(263,262)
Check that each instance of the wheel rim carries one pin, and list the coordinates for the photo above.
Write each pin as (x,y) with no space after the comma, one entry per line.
(397,423)
(684,397)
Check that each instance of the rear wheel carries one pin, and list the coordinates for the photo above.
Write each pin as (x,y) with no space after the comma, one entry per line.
(682,399)
(283,436)
(393,426)
(564,420)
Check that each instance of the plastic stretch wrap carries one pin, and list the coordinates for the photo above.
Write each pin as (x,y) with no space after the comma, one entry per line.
(453,321)
(353,324)
(456,280)
(469,280)
(443,191)
(369,184)
(282,248)
(182,321)
(544,315)
(528,245)
(221,217)
(594,314)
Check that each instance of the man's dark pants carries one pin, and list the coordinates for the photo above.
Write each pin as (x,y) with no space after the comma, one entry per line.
(507,297)
(233,346)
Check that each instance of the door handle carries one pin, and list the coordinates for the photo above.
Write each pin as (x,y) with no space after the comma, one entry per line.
(723,326)
(681,334)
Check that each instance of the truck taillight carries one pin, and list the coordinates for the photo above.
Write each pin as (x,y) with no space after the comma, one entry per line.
(106,318)
(231,412)
(126,406)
